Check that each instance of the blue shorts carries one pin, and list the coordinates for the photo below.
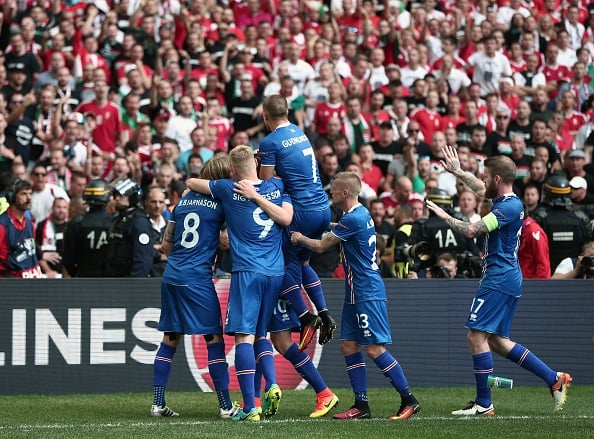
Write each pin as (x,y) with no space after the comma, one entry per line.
(366,323)
(252,298)
(284,317)
(311,224)
(492,312)
(190,309)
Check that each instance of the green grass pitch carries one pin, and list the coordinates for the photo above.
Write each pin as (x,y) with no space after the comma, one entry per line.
(523,412)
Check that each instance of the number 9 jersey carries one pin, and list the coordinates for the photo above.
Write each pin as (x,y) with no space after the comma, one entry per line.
(198,220)
(255,239)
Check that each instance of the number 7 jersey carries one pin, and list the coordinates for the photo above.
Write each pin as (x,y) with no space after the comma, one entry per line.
(289,150)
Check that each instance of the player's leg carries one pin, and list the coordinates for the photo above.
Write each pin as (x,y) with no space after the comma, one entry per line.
(558,382)
(350,335)
(486,314)
(170,322)
(219,372)
(291,291)
(280,327)
(161,373)
(242,320)
(313,225)
(265,360)
(374,314)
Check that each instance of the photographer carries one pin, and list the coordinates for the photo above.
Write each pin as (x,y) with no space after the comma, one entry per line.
(440,236)
(581,267)
(446,267)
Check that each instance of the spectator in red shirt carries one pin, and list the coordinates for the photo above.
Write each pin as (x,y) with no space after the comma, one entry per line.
(533,253)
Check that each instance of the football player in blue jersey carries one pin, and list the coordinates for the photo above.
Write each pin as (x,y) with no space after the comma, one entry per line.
(494,305)
(288,151)
(189,302)
(255,235)
(364,320)
(283,322)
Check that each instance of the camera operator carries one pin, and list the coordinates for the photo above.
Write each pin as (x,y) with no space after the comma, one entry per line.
(440,236)
(581,267)
(446,267)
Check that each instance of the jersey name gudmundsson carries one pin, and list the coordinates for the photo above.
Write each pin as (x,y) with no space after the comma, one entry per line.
(294,141)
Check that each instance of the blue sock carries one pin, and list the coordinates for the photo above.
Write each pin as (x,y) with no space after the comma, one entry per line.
(245,367)
(393,371)
(219,372)
(161,371)
(291,291)
(303,364)
(258,380)
(527,360)
(357,370)
(264,357)
(483,367)
(313,286)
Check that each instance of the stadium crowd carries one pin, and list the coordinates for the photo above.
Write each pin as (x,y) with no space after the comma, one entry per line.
(148,91)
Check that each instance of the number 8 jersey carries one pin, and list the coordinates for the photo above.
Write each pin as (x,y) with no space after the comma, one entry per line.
(198,220)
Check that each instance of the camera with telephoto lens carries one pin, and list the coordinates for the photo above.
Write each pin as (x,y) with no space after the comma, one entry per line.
(587,270)
(469,265)
(405,252)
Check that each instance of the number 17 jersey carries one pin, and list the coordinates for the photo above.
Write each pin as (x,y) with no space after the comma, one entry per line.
(289,150)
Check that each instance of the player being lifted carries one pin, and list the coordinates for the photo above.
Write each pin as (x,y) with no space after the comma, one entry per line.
(288,151)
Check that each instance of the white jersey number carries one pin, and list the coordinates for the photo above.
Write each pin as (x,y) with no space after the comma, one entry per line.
(190,235)
(314,166)
(266,222)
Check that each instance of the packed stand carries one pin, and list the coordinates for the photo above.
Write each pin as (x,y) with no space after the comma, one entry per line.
(142,94)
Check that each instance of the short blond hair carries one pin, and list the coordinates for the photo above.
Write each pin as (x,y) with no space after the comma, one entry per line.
(349,181)
(242,157)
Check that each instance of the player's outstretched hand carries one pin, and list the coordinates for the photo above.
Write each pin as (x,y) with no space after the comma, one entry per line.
(438,211)
(451,162)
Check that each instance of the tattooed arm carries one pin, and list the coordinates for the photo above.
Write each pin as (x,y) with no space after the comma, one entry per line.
(452,164)
(470,230)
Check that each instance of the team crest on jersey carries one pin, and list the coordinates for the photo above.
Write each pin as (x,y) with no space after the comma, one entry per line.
(197,356)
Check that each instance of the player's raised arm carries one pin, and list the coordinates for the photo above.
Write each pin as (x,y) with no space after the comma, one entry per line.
(452,164)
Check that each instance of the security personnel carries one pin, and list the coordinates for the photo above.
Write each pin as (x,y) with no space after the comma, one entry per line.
(17,242)
(565,229)
(85,236)
(438,233)
(130,239)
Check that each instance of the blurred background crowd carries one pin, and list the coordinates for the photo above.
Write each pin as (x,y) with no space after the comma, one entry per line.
(149,90)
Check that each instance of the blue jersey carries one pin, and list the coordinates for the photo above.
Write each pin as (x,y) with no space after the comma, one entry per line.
(288,149)
(255,239)
(198,219)
(363,279)
(501,269)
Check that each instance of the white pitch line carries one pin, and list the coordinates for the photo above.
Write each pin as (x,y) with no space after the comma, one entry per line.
(26,427)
